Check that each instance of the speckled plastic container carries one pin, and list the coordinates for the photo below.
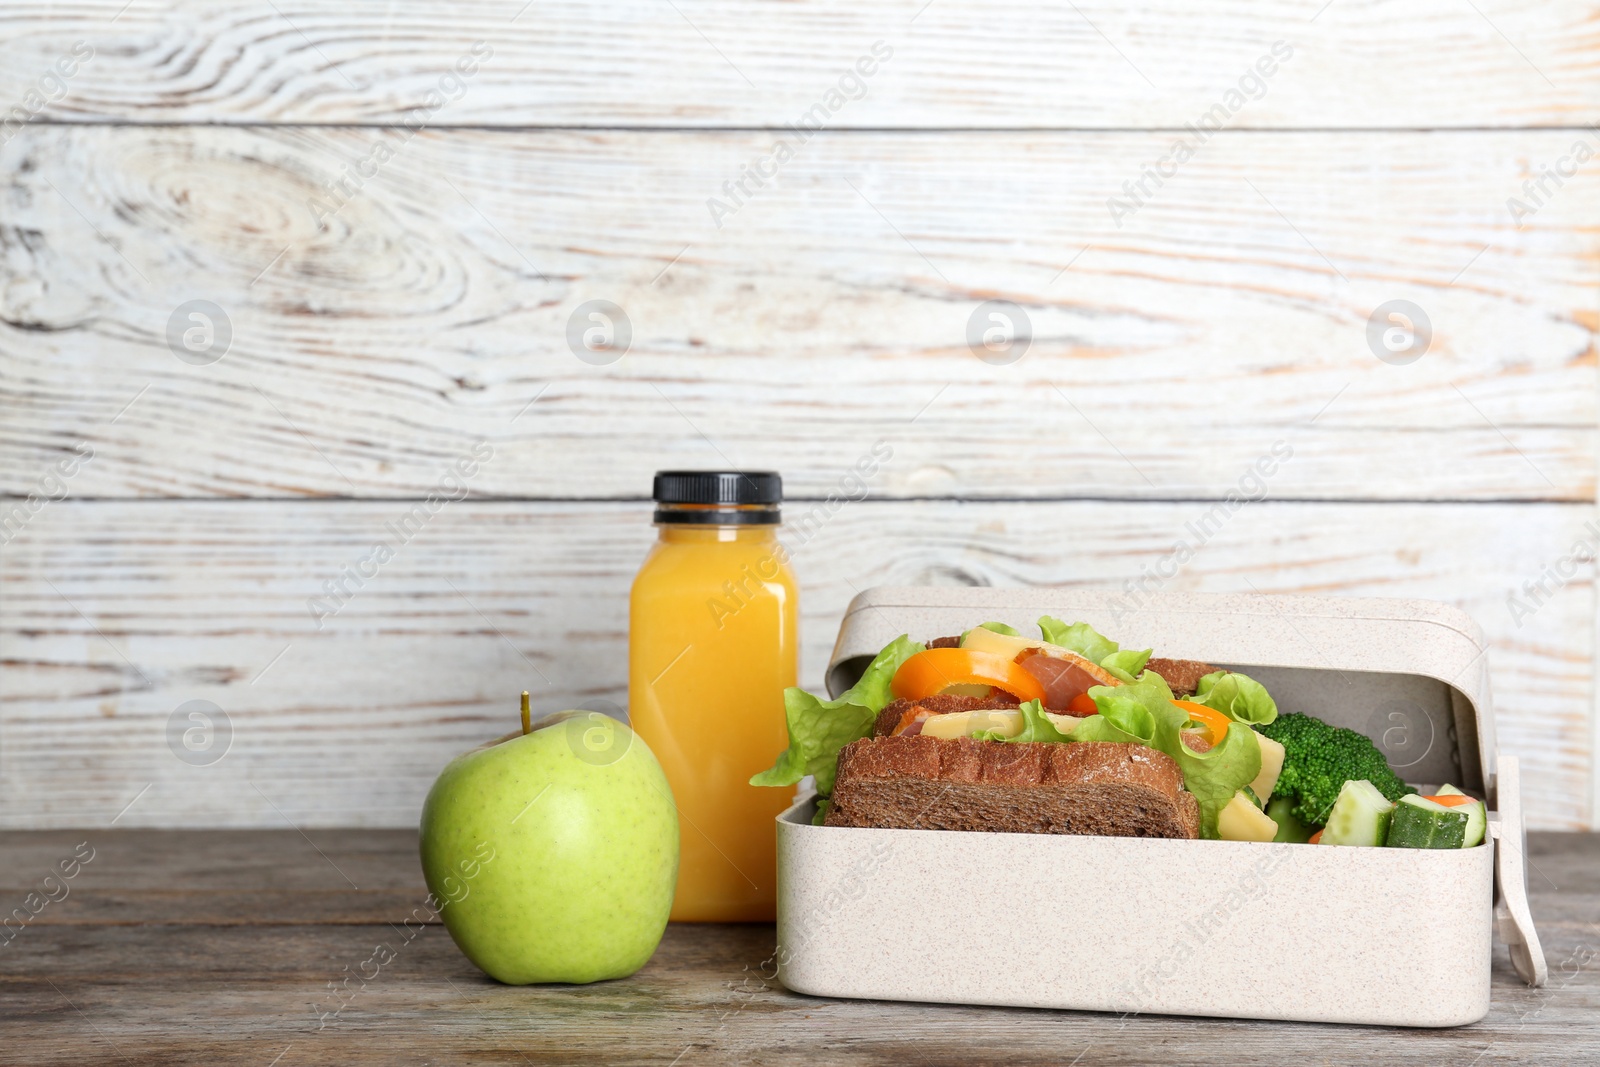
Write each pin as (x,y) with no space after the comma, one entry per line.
(1220,928)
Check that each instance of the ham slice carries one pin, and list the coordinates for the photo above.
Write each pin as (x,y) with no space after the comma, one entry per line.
(1064,676)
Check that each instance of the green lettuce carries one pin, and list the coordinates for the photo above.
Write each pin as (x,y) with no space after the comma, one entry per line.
(1143,712)
(1129,713)
(1035,727)
(997,627)
(1239,697)
(1083,639)
(1127,663)
(1080,637)
(818,729)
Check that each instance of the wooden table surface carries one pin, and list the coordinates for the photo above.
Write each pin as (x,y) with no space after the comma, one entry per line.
(205,947)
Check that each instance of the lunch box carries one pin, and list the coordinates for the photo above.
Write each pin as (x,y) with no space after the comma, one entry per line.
(1179,927)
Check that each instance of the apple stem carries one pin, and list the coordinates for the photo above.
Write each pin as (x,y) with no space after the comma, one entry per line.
(527,715)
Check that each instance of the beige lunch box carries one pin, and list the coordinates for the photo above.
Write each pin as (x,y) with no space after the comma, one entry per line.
(1217,928)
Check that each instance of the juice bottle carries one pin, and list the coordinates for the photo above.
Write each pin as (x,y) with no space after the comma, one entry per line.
(712,644)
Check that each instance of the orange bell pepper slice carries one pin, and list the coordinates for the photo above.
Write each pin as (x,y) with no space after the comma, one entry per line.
(1215,722)
(1083,705)
(935,670)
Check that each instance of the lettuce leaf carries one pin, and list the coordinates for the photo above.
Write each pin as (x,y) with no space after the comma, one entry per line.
(1035,727)
(1127,663)
(1128,713)
(1239,697)
(1143,712)
(1083,639)
(1080,637)
(1216,775)
(818,729)
(997,627)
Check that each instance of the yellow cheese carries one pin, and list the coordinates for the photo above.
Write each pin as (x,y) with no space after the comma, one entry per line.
(1243,821)
(981,640)
(1271,767)
(1006,721)
(967,723)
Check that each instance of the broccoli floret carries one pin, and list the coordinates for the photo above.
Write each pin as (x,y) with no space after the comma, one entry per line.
(1319,759)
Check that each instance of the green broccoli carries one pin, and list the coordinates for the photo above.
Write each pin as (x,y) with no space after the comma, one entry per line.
(1318,759)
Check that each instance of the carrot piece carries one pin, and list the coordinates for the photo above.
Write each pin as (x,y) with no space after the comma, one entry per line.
(1316,838)
(1451,800)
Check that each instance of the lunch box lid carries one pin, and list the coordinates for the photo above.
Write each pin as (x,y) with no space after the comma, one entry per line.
(1410,674)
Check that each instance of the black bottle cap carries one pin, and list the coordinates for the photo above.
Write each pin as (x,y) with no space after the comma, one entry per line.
(730,498)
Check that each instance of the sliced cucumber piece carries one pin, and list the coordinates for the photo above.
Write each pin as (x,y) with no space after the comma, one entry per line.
(1281,811)
(1477,820)
(1421,823)
(1359,817)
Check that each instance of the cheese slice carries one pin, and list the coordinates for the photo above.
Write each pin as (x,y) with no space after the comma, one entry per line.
(1243,821)
(1271,767)
(982,640)
(1007,721)
(967,723)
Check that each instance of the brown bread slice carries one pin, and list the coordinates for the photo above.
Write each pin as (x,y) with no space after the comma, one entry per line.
(1087,787)
(941,704)
(1181,675)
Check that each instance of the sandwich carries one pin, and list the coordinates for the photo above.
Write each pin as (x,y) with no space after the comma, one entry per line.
(1067,733)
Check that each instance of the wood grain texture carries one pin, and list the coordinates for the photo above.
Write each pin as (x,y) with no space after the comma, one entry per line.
(117,613)
(832,310)
(228,878)
(179,990)
(723,62)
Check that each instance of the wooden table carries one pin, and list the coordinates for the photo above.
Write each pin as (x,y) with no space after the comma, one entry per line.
(206,947)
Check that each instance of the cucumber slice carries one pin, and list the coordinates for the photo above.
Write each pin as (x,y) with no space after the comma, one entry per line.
(1359,817)
(1290,828)
(1420,823)
(1477,821)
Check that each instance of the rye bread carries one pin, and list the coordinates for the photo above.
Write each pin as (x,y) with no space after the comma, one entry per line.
(1088,787)
(1181,675)
(941,704)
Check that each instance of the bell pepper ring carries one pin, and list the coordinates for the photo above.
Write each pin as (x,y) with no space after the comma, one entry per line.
(1215,722)
(935,670)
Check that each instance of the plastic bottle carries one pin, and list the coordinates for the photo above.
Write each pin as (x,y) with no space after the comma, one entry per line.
(712,643)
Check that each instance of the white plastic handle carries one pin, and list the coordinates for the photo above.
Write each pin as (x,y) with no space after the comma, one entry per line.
(1513,920)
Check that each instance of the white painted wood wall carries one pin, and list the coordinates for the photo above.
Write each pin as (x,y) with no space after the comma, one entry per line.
(180,160)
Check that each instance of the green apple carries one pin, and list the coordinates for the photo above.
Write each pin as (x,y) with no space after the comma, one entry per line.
(552,854)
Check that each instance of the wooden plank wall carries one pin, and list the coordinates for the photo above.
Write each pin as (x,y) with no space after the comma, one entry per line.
(397,285)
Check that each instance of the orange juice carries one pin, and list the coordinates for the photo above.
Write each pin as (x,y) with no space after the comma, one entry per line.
(712,643)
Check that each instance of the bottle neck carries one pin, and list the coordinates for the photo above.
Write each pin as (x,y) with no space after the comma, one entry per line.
(679,534)
(718,516)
